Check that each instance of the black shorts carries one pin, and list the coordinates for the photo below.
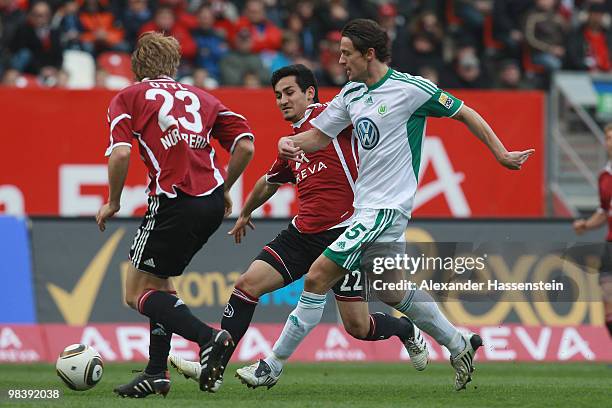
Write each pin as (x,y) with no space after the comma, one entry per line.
(605,268)
(173,230)
(292,253)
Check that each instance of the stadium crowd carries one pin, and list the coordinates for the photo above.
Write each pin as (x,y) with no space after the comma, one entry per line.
(504,44)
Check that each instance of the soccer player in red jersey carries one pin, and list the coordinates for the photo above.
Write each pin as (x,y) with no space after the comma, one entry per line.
(188,197)
(599,218)
(325,183)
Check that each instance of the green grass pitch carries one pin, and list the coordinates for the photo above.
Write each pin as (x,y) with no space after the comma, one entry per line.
(345,385)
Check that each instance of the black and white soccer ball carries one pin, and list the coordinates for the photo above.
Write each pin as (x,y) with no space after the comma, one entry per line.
(80,367)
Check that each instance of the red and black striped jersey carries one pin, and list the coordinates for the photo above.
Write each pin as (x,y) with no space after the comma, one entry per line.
(173,124)
(605,196)
(325,179)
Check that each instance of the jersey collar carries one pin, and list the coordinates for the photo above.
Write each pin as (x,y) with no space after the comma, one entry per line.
(300,122)
(608,167)
(159,78)
(381,81)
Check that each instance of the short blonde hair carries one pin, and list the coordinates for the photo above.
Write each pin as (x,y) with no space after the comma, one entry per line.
(608,128)
(155,55)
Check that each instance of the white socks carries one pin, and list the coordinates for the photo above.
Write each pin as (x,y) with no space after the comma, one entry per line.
(301,321)
(420,307)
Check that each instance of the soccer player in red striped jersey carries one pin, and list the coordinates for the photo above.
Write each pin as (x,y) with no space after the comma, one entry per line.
(325,185)
(600,217)
(173,125)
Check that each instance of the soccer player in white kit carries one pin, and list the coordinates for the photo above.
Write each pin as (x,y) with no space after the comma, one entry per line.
(388,110)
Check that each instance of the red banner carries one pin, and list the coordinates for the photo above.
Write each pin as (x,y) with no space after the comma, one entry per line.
(54,164)
(327,342)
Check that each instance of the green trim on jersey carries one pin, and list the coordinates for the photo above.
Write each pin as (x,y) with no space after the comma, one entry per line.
(415,128)
(381,81)
(421,84)
(357,98)
(358,87)
(441,104)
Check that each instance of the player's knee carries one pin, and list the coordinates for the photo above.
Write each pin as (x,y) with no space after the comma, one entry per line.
(131,300)
(357,328)
(251,286)
(314,282)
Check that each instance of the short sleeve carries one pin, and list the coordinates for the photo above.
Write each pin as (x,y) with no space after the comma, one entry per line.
(280,173)
(229,128)
(334,119)
(120,124)
(440,105)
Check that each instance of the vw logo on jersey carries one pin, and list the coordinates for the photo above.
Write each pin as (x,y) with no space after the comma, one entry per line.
(368,133)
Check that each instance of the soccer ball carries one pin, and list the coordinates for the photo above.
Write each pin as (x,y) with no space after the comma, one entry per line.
(80,367)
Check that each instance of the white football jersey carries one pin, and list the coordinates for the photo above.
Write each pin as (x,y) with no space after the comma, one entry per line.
(389,121)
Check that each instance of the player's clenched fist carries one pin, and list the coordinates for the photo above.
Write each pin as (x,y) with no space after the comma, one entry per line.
(287,149)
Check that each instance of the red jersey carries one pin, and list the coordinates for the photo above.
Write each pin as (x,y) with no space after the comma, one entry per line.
(325,179)
(173,124)
(605,195)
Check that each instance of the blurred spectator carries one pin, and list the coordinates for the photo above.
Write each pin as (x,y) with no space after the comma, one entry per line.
(289,53)
(304,23)
(472,14)
(36,45)
(183,18)
(423,50)
(333,74)
(10,77)
(201,79)
(61,79)
(545,34)
(100,33)
(509,76)
(275,12)
(507,18)
(240,61)
(11,17)
(424,47)
(590,45)
(394,25)
(70,27)
(467,71)
(136,14)
(164,21)
(265,35)
(251,80)
(334,16)
(226,14)
(101,78)
(210,43)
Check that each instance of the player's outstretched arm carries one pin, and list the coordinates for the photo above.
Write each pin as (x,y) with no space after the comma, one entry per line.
(258,196)
(118,164)
(479,127)
(596,220)
(292,147)
(241,156)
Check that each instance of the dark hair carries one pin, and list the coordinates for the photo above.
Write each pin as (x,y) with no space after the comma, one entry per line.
(365,34)
(303,76)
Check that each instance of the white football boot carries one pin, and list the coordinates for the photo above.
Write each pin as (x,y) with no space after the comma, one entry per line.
(417,349)
(463,363)
(191,370)
(258,375)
